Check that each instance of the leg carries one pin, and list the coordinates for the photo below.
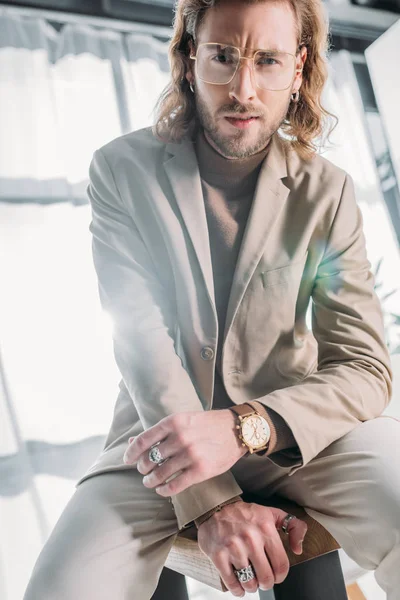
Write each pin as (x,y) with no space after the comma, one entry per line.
(353,489)
(111,541)
(171,586)
(321,576)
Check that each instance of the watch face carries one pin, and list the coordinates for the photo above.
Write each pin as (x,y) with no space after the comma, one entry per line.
(255,431)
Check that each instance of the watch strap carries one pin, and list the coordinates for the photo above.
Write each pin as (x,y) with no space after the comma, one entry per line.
(244,410)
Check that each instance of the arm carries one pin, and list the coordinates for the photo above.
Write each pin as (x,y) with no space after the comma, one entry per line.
(353,381)
(281,435)
(143,321)
(281,438)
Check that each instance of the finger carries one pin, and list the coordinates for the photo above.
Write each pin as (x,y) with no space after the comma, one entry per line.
(172,466)
(145,440)
(225,568)
(262,568)
(168,449)
(125,457)
(249,586)
(297,535)
(277,560)
(180,482)
(238,554)
(296,529)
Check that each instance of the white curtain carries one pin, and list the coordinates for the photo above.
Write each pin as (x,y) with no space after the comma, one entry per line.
(382,58)
(351,150)
(62,95)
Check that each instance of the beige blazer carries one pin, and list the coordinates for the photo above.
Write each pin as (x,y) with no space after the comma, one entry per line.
(303,242)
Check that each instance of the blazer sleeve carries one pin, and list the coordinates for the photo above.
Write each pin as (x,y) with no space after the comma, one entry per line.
(353,380)
(143,320)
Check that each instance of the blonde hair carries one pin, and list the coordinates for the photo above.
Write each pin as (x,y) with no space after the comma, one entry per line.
(305,120)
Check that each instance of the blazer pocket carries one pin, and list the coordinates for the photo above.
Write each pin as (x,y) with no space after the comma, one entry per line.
(283,274)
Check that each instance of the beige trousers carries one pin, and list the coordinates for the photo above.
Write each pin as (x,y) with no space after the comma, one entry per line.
(114,535)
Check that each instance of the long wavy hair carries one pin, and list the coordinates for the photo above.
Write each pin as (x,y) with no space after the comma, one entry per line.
(306,119)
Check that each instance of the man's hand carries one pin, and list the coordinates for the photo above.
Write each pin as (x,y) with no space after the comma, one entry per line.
(244,533)
(197,446)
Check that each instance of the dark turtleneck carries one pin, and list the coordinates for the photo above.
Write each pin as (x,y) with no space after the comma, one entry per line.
(228,189)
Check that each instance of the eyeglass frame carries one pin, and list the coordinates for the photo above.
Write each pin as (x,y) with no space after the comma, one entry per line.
(247,58)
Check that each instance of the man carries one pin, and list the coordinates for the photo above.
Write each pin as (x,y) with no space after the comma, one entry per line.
(211,234)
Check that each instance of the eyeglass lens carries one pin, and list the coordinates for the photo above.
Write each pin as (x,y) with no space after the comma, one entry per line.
(217,64)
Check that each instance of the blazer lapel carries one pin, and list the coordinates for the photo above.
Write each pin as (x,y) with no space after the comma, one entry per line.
(270,196)
(269,199)
(184,176)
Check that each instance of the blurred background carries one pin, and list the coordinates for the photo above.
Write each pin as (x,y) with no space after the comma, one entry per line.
(75,74)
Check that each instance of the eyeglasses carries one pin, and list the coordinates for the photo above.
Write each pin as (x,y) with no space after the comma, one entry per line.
(218,63)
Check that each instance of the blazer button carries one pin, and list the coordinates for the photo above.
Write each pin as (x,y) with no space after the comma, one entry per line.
(207,353)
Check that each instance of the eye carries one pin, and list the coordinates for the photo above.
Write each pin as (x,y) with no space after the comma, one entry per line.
(267,60)
(222,58)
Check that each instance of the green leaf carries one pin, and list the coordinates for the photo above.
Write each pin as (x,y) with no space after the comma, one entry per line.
(386,296)
(378,266)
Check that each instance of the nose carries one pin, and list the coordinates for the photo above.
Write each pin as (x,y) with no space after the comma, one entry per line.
(242,87)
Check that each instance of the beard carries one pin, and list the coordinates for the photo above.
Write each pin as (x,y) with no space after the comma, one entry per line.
(238,145)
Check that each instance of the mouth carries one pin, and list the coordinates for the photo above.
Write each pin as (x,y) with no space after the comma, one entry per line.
(241,122)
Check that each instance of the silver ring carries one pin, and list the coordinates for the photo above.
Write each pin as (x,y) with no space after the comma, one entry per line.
(155,455)
(244,575)
(285,523)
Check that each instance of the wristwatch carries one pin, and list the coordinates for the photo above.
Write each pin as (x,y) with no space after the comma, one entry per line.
(254,431)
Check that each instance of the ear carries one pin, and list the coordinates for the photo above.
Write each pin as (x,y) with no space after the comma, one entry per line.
(300,61)
(190,64)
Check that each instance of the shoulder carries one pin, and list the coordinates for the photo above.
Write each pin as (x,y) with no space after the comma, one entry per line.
(139,146)
(318,169)
(317,182)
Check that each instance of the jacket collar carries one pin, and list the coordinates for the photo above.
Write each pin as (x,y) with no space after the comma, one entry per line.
(270,196)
